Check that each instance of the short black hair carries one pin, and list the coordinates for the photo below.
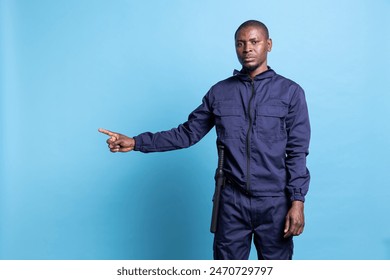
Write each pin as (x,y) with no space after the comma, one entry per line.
(253,23)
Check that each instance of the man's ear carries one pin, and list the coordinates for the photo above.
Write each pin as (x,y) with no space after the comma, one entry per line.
(269,44)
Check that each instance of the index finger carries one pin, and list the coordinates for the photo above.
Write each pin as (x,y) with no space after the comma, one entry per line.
(287,230)
(107,132)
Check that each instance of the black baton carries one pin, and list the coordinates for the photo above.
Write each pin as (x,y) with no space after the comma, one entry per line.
(219,182)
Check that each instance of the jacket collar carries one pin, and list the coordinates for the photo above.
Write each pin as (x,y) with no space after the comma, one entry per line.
(243,75)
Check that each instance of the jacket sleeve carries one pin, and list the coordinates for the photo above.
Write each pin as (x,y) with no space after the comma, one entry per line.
(297,149)
(199,123)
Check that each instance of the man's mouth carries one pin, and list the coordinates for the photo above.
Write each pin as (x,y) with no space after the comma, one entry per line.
(249,59)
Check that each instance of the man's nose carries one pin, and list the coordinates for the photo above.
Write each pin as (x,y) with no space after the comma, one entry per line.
(247,48)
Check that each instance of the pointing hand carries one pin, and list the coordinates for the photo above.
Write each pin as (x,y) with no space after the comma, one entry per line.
(118,142)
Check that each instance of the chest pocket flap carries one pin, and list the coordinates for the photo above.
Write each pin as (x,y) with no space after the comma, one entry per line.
(227,111)
(272,111)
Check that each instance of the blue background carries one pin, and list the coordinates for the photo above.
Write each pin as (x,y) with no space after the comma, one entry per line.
(70,67)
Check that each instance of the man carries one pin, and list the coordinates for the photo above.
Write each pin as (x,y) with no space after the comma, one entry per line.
(262,121)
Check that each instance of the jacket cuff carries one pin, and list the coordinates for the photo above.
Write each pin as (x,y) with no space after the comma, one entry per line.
(297,195)
(137,145)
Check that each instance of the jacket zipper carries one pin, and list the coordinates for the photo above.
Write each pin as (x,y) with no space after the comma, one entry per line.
(248,139)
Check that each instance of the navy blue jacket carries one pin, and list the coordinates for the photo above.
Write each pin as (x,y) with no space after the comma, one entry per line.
(263,124)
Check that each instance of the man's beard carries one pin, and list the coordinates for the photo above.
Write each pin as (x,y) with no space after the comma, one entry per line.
(250,68)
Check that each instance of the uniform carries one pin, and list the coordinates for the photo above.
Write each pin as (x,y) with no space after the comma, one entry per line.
(264,126)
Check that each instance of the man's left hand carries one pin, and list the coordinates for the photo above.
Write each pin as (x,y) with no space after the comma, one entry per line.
(295,220)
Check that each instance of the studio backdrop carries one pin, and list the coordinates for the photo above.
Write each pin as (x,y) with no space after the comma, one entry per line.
(70,67)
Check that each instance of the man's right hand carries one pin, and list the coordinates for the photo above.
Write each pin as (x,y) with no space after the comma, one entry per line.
(118,142)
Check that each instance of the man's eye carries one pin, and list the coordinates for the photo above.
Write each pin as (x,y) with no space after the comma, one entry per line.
(254,42)
(239,45)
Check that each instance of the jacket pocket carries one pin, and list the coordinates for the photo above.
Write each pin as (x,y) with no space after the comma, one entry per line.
(228,122)
(270,122)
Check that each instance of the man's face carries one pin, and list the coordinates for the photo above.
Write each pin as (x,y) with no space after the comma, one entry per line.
(252,47)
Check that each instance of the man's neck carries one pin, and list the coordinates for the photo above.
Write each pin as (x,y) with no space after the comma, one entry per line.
(257,71)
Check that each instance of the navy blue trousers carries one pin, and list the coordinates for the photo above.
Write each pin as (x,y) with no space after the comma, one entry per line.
(242,218)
